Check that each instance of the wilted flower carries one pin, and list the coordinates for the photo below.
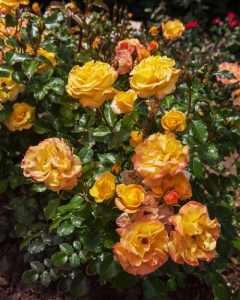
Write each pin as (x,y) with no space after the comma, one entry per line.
(21,117)
(130,197)
(143,247)
(234,68)
(92,83)
(159,155)
(174,121)
(53,163)
(6,6)
(136,138)
(9,89)
(103,188)
(154,76)
(123,102)
(195,235)
(173,29)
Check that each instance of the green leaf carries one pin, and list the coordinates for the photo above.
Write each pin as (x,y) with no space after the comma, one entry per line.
(45,278)
(17,57)
(77,221)
(101,131)
(36,246)
(208,153)
(65,228)
(39,188)
(110,116)
(124,280)
(109,268)
(37,266)
(3,185)
(199,130)
(30,276)
(66,248)
(77,245)
(197,167)
(11,20)
(74,260)
(59,259)
(51,209)
(86,154)
(80,286)
(153,289)
(30,67)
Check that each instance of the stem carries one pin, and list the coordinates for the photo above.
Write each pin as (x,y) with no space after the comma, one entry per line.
(189,101)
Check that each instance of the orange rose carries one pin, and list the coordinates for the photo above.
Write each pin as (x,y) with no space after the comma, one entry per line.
(95,43)
(174,121)
(7,5)
(234,68)
(143,247)
(130,197)
(53,163)
(152,46)
(195,235)
(136,138)
(159,155)
(153,30)
(173,29)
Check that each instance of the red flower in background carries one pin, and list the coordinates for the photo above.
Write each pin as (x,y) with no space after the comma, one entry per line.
(216,21)
(191,24)
(231,15)
(234,23)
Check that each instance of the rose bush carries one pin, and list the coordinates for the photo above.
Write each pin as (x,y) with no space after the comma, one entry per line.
(112,145)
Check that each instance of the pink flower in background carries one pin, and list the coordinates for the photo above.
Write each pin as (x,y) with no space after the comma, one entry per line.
(230,15)
(216,21)
(192,24)
(234,23)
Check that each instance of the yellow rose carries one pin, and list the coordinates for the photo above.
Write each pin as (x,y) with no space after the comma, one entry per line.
(103,188)
(159,155)
(174,120)
(92,83)
(136,138)
(177,186)
(195,235)
(50,57)
(21,117)
(7,5)
(173,29)
(153,30)
(9,89)
(130,197)
(154,76)
(53,163)
(123,102)
(143,247)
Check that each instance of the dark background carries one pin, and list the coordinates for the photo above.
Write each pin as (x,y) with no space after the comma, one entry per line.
(194,8)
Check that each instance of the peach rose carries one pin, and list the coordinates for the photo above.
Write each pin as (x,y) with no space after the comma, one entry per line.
(9,89)
(173,29)
(136,138)
(123,102)
(53,163)
(173,188)
(154,76)
(195,235)
(130,197)
(7,5)
(174,121)
(159,155)
(21,117)
(234,68)
(143,247)
(103,188)
(152,46)
(91,84)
